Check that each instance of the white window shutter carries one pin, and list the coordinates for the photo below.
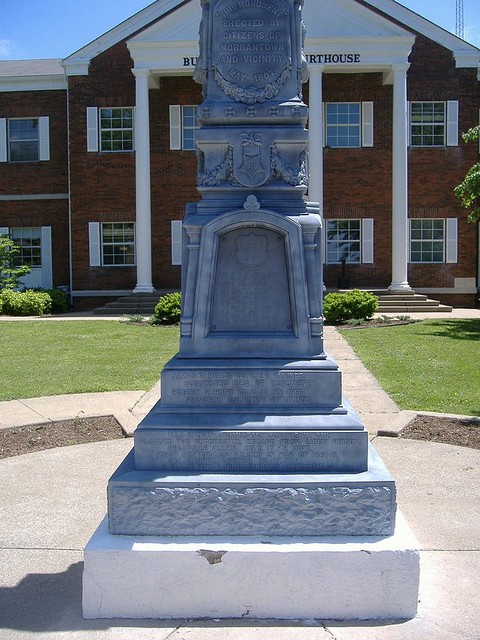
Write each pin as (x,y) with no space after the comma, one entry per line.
(367,124)
(452,123)
(44,137)
(4,231)
(3,140)
(409,123)
(451,245)
(46,247)
(92,129)
(176,228)
(94,243)
(324,124)
(367,241)
(175,127)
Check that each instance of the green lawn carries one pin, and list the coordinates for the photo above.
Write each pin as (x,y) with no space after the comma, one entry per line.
(430,366)
(41,358)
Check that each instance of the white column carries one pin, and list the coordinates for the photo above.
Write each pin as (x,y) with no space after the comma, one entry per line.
(315,136)
(399,182)
(143,195)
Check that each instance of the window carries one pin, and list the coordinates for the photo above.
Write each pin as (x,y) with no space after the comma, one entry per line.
(343,241)
(428,121)
(24,139)
(116,129)
(349,239)
(118,244)
(110,129)
(183,127)
(29,243)
(427,240)
(342,122)
(434,240)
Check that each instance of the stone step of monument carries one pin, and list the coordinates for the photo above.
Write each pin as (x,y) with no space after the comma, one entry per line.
(159,503)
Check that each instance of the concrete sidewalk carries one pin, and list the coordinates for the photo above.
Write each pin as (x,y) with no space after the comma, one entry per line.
(52,501)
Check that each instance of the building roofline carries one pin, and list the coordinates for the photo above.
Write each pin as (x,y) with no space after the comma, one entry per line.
(77,63)
(465,54)
(32,75)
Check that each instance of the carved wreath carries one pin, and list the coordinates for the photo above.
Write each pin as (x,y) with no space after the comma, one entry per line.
(252,95)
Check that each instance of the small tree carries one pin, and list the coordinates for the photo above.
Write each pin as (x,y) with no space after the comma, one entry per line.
(9,273)
(468,191)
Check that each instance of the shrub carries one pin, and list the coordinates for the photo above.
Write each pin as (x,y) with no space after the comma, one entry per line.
(25,303)
(168,309)
(60,301)
(9,273)
(355,304)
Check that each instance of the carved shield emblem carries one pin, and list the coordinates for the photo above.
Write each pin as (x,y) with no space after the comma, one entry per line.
(252,249)
(251,161)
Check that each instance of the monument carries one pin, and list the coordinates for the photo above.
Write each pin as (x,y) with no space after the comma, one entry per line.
(252,489)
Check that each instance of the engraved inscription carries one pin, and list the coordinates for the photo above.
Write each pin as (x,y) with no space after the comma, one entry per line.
(207,450)
(241,388)
(252,60)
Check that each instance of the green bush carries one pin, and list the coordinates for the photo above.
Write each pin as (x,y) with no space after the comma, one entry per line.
(167,310)
(60,301)
(25,303)
(355,304)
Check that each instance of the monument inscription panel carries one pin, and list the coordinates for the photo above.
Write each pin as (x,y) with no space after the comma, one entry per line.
(252,451)
(250,388)
(252,59)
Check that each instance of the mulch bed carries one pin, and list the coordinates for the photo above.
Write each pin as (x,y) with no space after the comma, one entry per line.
(460,432)
(19,440)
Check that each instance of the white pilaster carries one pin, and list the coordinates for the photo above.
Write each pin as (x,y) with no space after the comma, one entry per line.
(400,182)
(142,172)
(315,136)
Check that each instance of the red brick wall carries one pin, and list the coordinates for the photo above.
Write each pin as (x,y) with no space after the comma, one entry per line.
(43,177)
(18,178)
(103,184)
(357,182)
(38,213)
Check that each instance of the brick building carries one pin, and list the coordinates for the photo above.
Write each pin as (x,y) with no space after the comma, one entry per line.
(97,151)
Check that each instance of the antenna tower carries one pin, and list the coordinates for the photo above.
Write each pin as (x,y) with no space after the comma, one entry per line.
(459,24)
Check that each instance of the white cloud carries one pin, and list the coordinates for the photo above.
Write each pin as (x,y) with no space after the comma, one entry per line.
(7,48)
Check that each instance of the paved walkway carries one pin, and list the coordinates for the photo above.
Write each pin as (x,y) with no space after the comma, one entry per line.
(52,501)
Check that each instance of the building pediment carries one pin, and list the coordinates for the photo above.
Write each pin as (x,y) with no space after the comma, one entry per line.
(164,37)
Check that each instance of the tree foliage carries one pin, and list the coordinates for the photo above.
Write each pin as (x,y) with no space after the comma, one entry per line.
(10,274)
(468,191)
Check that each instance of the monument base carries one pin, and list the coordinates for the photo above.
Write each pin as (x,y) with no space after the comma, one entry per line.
(158,503)
(350,578)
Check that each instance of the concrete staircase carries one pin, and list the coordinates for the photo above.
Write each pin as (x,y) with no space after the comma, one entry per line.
(404,303)
(136,304)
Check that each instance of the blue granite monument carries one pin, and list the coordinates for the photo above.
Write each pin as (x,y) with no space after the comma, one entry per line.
(251,407)
(252,464)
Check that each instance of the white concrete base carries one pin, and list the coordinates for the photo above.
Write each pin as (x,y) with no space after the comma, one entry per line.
(283,578)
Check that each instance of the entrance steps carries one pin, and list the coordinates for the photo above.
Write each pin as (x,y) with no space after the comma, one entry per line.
(135,304)
(409,303)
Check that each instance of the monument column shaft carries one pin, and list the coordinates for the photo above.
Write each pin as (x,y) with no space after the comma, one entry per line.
(399,182)
(315,136)
(142,173)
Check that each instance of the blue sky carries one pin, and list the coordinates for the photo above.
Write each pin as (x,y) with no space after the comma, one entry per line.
(54,29)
